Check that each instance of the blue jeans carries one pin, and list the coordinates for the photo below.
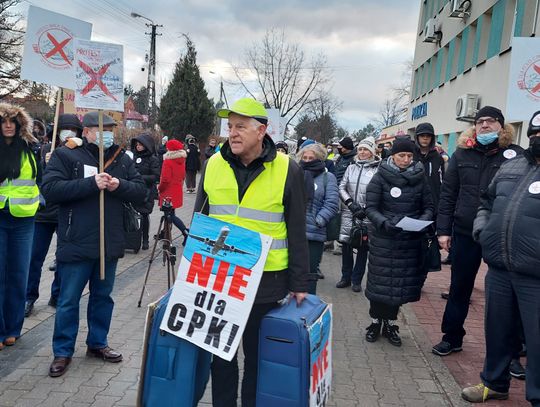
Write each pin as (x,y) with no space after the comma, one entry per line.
(43,233)
(510,296)
(73,279)
(15,249)
(348,271)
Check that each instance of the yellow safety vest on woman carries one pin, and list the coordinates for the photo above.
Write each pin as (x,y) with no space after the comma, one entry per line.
(22,193)
(261,208)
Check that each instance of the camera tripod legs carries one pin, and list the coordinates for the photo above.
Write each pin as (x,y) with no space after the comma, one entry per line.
(169,254)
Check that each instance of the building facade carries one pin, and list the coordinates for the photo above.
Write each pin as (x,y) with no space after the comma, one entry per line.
(462,62)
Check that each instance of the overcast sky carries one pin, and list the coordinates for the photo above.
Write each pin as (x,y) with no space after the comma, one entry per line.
(367,42)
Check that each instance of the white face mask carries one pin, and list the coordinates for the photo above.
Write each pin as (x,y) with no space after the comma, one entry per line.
(65,134)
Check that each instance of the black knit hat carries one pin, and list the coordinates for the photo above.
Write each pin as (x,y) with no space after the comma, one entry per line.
(424,128)
(403,145)
(346,142)
(66,121)
(490,111)
(534,124)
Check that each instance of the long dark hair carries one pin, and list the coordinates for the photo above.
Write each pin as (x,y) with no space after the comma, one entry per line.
(11,156)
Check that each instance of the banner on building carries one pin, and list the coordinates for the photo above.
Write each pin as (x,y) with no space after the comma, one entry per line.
(218,278)
(49,47)
(320,342)
(99,75)
(524,79)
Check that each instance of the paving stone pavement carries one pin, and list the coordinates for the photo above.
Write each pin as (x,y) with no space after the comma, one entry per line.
(364,374)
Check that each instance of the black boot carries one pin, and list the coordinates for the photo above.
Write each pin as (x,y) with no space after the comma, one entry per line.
(145,245)
(373,331)
(391,332)
(185,233)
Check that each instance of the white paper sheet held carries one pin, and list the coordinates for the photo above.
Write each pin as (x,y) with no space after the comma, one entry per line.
(413,225)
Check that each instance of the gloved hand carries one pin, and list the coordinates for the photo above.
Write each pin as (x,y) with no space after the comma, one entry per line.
(354,207)
(476,234)
(390,228)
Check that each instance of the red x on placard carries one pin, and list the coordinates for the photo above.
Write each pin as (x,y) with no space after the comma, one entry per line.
(537,87)
(58,48)
(96,79)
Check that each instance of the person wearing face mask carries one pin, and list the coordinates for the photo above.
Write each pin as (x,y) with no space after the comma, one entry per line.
(69,133)
(73,181)
(481,151)
(322,203)
(507,228)
(399,188)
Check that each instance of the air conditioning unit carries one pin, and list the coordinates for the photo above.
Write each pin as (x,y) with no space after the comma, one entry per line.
(467,106)
(460,8)
(430,31)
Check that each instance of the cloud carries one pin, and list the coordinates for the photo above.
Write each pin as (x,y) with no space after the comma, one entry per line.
(366,42)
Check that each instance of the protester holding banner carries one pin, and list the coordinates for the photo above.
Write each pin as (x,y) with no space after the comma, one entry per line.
(147,164)
(398,189)
(19,201)
(70,132)
(249,184)
(73,181)
(322,203)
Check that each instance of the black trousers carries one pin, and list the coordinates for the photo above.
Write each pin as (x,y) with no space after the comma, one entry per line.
(225,374)
(190,179)
(509,296)
(315,255)
(353,270)
(466,259)
(380,310)
(145,226)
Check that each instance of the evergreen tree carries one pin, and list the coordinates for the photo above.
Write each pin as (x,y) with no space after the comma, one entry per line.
(185,108)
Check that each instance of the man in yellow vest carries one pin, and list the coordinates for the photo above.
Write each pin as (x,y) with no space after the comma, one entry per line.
(248,184)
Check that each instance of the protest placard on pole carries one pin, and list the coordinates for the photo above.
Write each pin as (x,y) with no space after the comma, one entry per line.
(218,278)
(99,74)
(48,47)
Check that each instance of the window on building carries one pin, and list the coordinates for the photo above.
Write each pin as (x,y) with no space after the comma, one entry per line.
(464,47)
(496,28)
(450,70)
(525,13)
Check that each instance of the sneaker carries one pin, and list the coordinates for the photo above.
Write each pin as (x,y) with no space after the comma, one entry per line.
(52,267)
(445,295)
(444,348)
(481,393)
(391,332)
(373,332)
(357,288)
(145,245)
(517,370)
(320,275)
(343,283)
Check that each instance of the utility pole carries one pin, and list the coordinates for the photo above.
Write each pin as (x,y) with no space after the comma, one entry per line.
(151,108)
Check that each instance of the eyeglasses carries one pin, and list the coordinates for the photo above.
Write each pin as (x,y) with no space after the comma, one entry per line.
(489,120)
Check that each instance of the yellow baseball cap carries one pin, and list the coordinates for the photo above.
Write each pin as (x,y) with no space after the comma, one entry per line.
(245,107)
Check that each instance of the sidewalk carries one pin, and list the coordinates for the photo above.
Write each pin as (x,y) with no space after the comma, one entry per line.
(364,374)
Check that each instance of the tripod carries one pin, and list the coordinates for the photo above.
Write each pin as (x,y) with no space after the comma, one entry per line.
(163,235)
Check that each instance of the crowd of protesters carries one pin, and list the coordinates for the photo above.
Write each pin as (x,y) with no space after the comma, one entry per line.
(481,202)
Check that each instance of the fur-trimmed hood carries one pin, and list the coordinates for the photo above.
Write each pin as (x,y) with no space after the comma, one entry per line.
(24,120)
(171,155)
(467,139)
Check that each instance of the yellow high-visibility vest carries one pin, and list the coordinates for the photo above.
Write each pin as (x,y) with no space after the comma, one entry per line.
(261,208)
(22,193)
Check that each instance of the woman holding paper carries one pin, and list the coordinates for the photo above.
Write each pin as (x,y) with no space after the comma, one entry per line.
(398,189)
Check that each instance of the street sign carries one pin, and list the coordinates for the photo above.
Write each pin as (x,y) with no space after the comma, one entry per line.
(48,47)
(99,74)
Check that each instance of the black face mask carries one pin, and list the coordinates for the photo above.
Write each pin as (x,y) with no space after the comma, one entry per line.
(534,146)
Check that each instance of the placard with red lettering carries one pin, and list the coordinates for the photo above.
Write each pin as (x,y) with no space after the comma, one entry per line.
(218,278)
(99,75)
(48,47)
(320,343)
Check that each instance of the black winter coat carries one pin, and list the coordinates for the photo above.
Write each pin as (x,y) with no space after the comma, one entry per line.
(65,183)
(434,170)
(147,165)
(469,173)
(509,218)
(394,276)
(342,163)
(193,160)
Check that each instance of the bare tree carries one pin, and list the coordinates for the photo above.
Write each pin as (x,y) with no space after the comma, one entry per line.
(11,40)
(322,109)
(284,75)
(391,113)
